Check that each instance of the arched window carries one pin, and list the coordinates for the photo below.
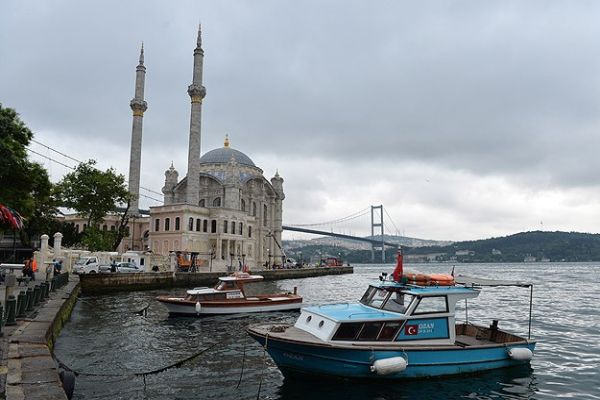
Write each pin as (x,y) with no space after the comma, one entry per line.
(233,227)
(205,225)
(156,225)
(167,224)
(265,215)
(213,226)
(249,231)
(254,209)
(241,229)
(243,205)
(202,203)
(77,228)
(84,227)
(191,224)
(217,202)
(176,223)
(225,225)
(104,227)
(113,227)
(198,225)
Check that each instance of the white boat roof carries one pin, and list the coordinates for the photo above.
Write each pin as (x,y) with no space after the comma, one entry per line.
(241,277)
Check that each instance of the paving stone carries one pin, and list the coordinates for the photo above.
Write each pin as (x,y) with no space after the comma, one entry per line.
(33,350)
(44,392)
(37,363)
(14,392)
(44,375)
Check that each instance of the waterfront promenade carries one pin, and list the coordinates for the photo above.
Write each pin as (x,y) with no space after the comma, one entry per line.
(27,368)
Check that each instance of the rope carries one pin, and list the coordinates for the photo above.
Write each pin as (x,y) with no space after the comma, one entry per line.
(142,374)
(243,361)
(262,373)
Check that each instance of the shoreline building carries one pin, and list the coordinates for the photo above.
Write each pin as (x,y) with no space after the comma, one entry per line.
(224,209)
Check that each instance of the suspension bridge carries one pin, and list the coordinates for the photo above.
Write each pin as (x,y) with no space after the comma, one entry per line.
(376,240)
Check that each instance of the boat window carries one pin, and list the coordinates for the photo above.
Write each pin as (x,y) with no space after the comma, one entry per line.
(370,331)
(398,302)
(374,297)
(347,331)
(390,330)
(225,286)
(431,304)
(368,294)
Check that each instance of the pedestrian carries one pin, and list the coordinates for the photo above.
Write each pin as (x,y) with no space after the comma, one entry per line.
(33,269)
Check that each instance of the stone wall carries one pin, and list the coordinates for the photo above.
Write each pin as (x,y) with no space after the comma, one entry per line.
(106,283)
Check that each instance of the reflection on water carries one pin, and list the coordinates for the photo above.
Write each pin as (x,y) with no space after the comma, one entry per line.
(106,337)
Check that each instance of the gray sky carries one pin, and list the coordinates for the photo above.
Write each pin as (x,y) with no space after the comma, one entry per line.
(464,119)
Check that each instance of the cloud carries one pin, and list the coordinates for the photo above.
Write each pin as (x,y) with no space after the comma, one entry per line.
(465,119)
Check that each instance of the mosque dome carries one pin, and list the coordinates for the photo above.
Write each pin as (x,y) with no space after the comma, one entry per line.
(224,156)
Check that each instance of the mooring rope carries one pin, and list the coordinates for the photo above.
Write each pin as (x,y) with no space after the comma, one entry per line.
(262,373)
(142,374)
(243,361)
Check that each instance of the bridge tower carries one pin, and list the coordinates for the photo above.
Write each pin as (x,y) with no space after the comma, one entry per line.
(379,226)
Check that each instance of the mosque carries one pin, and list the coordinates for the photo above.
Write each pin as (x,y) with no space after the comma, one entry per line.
(224,208)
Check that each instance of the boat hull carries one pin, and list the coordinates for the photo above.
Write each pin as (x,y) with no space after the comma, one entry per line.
(179,307)
(347,362)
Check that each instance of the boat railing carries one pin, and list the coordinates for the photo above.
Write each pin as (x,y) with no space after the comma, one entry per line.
(366,313)
(338,305)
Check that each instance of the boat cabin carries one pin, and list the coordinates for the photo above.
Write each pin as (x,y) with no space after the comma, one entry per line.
(228,287)
(390,312)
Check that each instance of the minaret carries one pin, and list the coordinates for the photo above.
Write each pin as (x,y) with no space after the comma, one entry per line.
(197,93)
(138,106)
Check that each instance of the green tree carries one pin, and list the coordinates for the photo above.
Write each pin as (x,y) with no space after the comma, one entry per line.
(94,194)
(25,185)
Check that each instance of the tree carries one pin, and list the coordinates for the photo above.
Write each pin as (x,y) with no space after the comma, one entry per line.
(94,194)
(25,185)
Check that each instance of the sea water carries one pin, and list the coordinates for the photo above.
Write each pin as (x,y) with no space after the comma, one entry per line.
(116,350)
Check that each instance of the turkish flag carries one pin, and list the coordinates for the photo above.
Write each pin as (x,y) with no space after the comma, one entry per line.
(410,330)
(397,274)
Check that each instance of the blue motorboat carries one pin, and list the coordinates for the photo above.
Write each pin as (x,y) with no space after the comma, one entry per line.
(397,331)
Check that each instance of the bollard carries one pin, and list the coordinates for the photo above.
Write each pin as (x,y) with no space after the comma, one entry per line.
(22,304)
(45,291)
(1,319)
(29,294)
(53,283)
(37,291)
(11,307)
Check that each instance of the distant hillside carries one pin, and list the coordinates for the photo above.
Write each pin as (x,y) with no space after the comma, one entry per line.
(525,246)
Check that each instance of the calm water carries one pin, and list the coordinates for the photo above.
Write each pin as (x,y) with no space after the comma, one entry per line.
(106,337)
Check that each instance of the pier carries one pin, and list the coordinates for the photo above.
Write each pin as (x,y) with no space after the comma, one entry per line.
(28,369)
(107,283)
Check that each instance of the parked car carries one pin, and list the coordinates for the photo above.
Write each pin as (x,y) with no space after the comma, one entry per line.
(122,267)
(86,265)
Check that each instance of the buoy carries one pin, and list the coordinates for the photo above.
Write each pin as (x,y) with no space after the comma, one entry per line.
(520,354)
(198,307)
(388,366)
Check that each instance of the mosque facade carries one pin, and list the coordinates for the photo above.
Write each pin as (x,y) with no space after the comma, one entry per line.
(223,209)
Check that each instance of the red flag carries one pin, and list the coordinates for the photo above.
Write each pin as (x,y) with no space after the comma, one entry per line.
(397,274)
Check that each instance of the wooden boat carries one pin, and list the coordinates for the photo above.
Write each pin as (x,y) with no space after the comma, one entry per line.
(228,297)
(397,331)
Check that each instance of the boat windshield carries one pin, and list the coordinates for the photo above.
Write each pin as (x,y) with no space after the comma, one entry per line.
(386,300)
(374,297)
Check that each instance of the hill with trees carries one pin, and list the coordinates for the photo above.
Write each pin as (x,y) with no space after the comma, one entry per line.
(524,246)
